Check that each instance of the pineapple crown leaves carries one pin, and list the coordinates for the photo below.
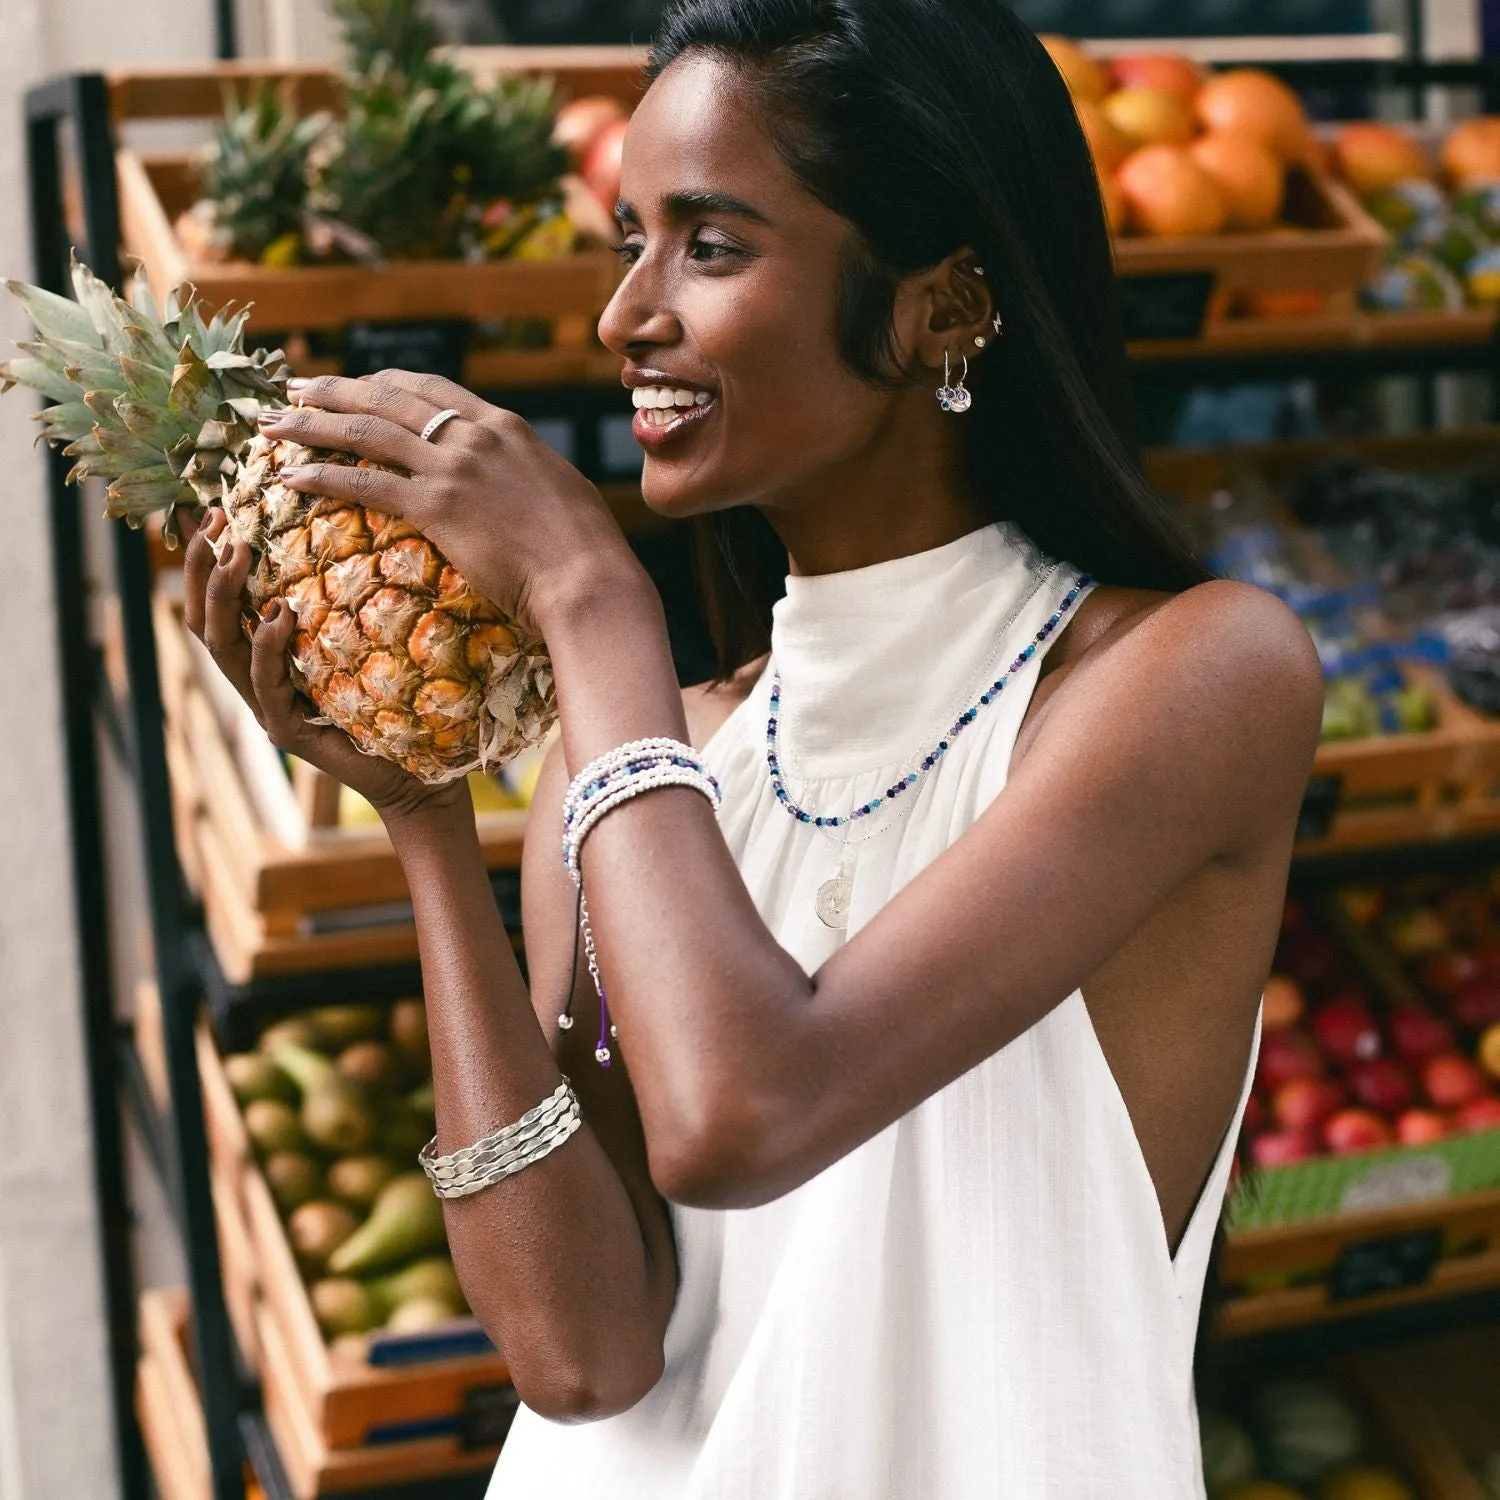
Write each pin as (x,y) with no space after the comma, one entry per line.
(159,402)
(397,31)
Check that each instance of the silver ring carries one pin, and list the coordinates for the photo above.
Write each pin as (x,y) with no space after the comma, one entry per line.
(430,430)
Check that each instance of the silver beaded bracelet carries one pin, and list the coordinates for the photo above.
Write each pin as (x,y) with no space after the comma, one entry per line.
(506,1151)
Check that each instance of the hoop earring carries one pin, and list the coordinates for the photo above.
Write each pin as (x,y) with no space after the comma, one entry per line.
(954,397)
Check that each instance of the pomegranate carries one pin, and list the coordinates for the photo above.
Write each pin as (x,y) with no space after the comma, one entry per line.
(1476,1007)
(1285,1055)
(1346,1031)
(1304,1103)
(1382,1084)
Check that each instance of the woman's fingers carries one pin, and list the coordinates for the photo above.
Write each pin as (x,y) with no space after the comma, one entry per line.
(374,395)
(223,633)
(281,711)
(198,564)
(376,489)
(360,433)
(433,391)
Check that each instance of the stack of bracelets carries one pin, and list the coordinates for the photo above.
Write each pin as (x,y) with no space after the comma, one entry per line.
(605,784)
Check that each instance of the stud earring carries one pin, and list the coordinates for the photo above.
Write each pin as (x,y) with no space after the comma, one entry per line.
(954,397)
(979,341)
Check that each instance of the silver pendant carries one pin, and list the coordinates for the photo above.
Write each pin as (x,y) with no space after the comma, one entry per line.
(832,901)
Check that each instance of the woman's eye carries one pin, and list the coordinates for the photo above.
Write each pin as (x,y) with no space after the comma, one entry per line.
(629,251)
(710,250)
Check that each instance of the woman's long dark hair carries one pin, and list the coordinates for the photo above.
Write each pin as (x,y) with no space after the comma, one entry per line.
(928,125)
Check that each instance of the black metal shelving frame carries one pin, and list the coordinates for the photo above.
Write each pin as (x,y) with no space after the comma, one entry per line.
(70,145)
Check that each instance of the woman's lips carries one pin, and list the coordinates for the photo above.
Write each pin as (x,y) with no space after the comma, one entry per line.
(652,437)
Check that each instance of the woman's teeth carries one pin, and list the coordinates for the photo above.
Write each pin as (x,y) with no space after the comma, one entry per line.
(667,398)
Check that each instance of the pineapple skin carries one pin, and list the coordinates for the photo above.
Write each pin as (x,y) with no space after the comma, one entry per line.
(391,645)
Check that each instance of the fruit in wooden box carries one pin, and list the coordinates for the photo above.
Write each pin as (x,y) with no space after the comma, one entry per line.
(1251,178)
(406,1220)
(1085,78)
(1167,72)
(1248,102)
(336,1112)
(1373,157)
(1168,194)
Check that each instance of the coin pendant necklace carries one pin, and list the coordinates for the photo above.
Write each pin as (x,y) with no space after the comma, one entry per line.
(833,898)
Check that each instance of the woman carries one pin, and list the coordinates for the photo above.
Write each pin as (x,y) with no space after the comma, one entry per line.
(903,1178)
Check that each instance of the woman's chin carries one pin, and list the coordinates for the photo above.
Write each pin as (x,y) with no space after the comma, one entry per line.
(675,496)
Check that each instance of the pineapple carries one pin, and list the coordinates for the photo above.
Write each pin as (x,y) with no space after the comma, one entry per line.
(254,182)
(391,644)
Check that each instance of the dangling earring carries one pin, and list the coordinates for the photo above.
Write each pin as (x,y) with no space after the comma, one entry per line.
(954,397)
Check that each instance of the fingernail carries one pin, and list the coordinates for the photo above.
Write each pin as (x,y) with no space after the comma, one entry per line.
(225,554)
(298,384)
(269,418)
(291,471)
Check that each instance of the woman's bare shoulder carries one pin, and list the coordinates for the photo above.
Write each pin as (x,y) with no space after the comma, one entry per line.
(710,703)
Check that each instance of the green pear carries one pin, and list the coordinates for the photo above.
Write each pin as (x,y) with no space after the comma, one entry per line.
(405,1221)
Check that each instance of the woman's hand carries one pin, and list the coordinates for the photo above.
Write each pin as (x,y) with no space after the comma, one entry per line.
(214,583)
(522,525)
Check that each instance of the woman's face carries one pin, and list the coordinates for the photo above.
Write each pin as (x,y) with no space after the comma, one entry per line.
(726,316)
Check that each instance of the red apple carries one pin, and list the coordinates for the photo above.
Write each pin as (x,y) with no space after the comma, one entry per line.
(1304,1103)
(1353,1130)
(601,170)
(1281,1004)
(1285,1055)
(1418,1035)
(1479,1114)
(1420,1127)
(1382,1084)
(1477,1005)
(1346,1030)
(1451,1081)
(1281,1148)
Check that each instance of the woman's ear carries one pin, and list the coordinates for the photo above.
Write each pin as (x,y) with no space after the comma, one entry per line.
(953,307)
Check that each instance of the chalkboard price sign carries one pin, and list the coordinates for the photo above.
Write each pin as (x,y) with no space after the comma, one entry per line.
(1319,803)
(1167,306)
(488,1411)
(1367,1267)
(432,348)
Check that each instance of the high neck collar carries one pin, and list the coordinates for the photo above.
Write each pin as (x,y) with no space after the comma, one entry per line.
(875,662)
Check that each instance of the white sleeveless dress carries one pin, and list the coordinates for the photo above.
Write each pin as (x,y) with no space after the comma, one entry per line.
(979,1303)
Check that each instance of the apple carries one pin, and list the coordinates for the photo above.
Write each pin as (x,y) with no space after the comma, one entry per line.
(1444,973)
(1304,1103)
(1353,1130)
(1450,1080)
(1382,1084)
(1285,1055)
(1255,1115)
(1417,1034)
(1346,1031)
(579,121)
(1476,1007)
(1420,1127)
(1282,1004)
(1488,1051)
(1149,117)
(1479,1114)
(1167,72)
(601,170)
(1281,1148)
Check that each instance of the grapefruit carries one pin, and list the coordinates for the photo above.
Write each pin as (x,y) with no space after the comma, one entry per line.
(1168,71)
(1168,194)
(1085,78)
(1246,101)
(1150,117)
(1106,145)
(1372,157)
(1252,180)
(1471,154)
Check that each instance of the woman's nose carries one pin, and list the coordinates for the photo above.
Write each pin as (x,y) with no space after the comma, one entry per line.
(638,315)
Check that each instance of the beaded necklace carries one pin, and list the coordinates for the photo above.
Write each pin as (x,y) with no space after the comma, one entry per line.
(832,900)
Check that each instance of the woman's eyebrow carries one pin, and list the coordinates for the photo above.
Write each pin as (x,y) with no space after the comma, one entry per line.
(688,202)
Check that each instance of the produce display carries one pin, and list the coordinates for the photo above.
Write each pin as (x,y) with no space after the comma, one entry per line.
(1441,206)
(337,1103)
(423,163)
(1294,1438)
(1342,1070)
(1180,151)
(391,644)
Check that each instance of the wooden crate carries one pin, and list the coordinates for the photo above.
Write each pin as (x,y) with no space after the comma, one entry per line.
(338,1414)
(568,293)
(1280,1277)
(1437,1401)
(166,1399)
(279,895)
(1329,245)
